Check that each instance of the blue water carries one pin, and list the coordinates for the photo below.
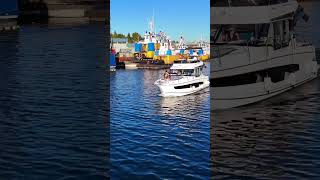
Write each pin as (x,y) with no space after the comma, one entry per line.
(53,103)
(154,137)
(276,139)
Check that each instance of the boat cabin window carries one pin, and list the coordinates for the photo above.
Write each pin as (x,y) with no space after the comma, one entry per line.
(189,85)
(182,72)
(241,34)
(276,74)
(197,71)
(282,31)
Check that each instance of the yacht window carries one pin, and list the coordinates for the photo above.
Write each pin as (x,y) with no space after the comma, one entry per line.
(286,33)
(277,27)
(182,72)
(240,34)
(281,34)
(276,74)
(197,72)
(189,85)
(263,30)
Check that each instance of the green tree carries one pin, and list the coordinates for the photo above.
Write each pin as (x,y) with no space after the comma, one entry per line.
(114,35)
(136,37)
(129,38)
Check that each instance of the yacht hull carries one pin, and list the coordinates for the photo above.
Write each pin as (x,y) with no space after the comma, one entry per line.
(170,90)
(227,97)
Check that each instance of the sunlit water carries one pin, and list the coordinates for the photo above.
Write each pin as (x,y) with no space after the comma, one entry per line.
(154,137)
(278,138)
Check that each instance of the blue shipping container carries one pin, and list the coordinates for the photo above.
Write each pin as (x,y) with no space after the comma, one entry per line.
(137,47)
(151,47)
(113,60)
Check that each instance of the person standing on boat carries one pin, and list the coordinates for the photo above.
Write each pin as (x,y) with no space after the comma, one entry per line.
(226,35)
(234,35)
(166,75)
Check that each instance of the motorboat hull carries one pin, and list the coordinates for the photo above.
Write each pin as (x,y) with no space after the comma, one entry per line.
(231,97)
(112,68)
(175,89)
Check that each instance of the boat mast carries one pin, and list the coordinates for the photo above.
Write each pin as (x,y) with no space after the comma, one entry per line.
(153,21)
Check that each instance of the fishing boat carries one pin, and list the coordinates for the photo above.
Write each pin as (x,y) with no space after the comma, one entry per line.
(185,77)
(181,46)
(257,57)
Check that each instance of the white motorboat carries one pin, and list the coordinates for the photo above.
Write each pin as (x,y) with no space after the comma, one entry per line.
(113,69)
(185,77)
(257,57)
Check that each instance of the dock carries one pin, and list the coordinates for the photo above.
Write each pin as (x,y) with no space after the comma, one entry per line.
(153,66)
(42,10)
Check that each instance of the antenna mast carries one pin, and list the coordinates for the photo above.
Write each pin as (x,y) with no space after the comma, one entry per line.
(154,26)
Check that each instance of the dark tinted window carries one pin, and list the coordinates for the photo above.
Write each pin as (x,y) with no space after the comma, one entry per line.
(276,74)
(223,3)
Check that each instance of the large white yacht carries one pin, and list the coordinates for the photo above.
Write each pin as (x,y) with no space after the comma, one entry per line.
(256,53)
(185,77)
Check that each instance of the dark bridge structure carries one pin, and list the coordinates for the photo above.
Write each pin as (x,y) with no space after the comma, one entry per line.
(31,10)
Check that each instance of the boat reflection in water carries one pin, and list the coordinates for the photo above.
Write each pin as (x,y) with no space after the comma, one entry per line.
(69,22)
(185,106)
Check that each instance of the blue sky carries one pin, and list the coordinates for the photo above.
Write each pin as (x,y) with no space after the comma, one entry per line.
(189,17)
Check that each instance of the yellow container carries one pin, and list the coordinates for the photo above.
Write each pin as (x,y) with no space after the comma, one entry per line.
(166,60)
(150,54)
(156,57)
(169,59)
(204,57)
(144,47)
(157,46)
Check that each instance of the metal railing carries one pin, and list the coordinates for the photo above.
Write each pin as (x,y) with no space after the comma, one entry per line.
(177,81)
(237,3)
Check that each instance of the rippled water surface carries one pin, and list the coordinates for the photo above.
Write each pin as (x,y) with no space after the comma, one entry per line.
(53,103)
(154,137)
(275,139)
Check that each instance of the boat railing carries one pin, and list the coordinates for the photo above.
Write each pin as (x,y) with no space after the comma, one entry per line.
(171,81)
(304,34)
(237,3)
(220,51)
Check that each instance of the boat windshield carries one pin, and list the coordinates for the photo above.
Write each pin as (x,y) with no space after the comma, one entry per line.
(190,60)
(182,72)
(240,34)
(193,58)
